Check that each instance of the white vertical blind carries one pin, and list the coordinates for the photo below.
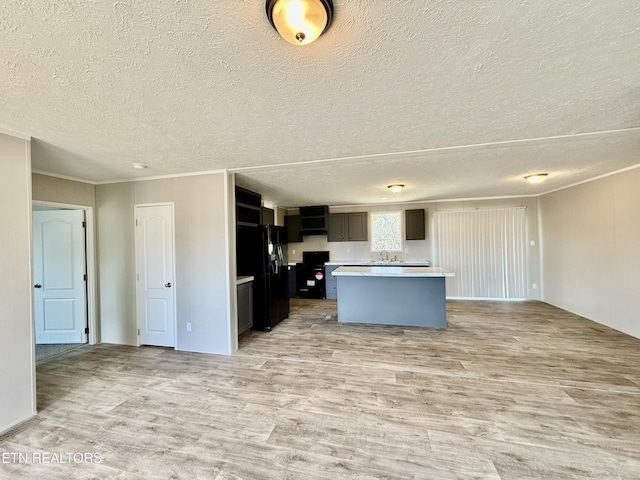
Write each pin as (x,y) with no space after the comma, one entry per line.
(486,249)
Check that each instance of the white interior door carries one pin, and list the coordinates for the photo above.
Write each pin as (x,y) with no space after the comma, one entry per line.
(59,276)
(154,267)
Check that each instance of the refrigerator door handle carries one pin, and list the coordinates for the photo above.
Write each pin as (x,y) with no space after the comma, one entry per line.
(279,258)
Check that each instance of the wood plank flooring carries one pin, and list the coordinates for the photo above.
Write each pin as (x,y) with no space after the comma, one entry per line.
(507,391)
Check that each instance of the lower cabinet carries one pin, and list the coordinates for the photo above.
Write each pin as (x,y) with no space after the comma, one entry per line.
(245,307)
(331,282)
(292,280)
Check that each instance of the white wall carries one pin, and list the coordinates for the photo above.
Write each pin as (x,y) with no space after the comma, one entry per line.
(591,250)
(423,249)
(17,375)
(203,273)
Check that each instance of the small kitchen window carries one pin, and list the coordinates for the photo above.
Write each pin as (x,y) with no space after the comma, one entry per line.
(386,232)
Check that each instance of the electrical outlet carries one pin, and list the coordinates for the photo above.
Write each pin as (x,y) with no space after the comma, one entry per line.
(188,327)
(348,250)
(535,286)
(533,243)
(406,250)
(293,252)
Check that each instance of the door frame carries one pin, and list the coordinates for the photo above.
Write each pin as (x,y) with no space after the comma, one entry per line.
(90,260)
(175,273)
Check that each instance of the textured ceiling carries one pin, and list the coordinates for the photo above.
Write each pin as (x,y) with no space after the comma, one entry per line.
(453,99)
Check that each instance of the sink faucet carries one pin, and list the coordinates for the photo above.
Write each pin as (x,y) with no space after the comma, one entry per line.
(386,255)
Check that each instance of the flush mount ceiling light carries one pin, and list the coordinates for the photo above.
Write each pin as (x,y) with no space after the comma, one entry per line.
(300,21)
(396,187)
(138,166)
(536,178)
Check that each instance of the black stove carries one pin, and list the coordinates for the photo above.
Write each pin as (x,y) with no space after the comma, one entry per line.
(310,275)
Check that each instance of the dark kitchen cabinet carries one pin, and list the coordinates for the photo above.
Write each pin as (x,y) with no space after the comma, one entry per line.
(267,216)
(313,220)
(358,226)
(331,282)
(293,283)
(245,307)
(248,208)
(337,227)
(414,224)
(292,223)
(348,227)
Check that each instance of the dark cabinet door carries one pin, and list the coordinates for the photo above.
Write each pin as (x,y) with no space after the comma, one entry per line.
(292,223)
(415,224)
(245,307)
(268,216)
(344,227)
(337,227)
(292,281)
(358,226)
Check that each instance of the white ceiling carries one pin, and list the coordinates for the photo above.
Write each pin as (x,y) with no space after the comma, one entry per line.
(453,99)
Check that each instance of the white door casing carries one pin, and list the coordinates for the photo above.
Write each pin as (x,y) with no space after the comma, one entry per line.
(59,276)
(155,275)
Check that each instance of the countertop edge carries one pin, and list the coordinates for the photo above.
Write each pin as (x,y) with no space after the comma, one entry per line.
(241,280)
(396,271)
(363,263)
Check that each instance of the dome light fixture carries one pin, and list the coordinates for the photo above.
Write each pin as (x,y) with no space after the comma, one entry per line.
(300,22)
(396,187)
(536,177)
(139,166)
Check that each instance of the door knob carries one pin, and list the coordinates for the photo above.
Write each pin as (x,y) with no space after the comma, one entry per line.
(168,285)
(37,285)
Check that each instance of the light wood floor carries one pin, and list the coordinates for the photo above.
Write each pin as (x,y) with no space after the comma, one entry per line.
(507,391)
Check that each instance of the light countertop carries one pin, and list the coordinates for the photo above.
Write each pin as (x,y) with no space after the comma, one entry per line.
(405,263)
(392,271)
(241,280)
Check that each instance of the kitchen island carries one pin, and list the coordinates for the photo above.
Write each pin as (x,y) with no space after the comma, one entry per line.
(410,296)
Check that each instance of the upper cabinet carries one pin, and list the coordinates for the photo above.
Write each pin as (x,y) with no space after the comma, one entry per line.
(292,223)
(268,216)
(415,224)
(248,207)
(348,227)
(313,220)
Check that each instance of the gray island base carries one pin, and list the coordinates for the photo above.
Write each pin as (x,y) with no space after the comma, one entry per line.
(407,296)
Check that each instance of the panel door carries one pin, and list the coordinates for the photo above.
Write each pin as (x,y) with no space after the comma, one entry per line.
(415,224)
(358,226)
(337,227)
(59,276)
(155,275)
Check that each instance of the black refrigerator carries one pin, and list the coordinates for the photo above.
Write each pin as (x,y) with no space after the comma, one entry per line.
(262,252)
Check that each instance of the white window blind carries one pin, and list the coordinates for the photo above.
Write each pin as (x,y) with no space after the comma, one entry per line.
(486,249)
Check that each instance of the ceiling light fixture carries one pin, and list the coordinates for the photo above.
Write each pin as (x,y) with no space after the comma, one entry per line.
(396,187)
(536,178)
(300,21)
(138,166)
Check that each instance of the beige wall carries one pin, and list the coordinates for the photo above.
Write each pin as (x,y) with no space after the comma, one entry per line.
(591,261)
(202,259)
(59,190)
(17,375)
(116,263)
(423,249)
